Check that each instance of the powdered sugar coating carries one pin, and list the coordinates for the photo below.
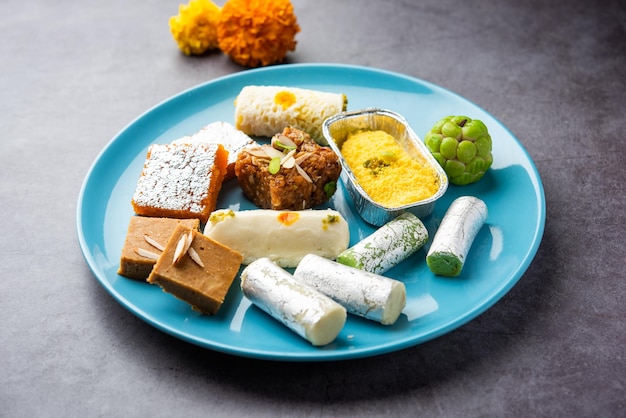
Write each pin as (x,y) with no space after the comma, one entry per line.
(220,133)
(176,177)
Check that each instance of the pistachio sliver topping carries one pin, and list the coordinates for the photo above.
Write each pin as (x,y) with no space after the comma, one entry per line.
(274,166)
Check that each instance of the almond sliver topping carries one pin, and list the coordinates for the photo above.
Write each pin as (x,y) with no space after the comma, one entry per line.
(288,162)
(258,152)
(303,157)
(183,245)
(153,242)
(282,141)
(303,173)
(195,257)
(147,254)
(272,152)
(288,156)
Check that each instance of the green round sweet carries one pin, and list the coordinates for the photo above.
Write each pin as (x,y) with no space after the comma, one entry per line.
(462,146)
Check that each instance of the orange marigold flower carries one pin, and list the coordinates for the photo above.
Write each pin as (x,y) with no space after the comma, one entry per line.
(257,32)
(195,27)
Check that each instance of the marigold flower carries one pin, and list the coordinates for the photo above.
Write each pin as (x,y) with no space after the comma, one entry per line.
(257,32)
(195,27)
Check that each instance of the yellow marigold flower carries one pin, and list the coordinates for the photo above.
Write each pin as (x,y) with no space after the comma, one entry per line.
(195,27)
(257,32)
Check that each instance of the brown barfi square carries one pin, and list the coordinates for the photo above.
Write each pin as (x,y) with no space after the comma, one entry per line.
(136,266)
(180,180)
(202,284)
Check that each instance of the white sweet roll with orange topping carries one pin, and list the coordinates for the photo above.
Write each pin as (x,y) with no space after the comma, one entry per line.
(267,110)
(304,310)
(362,293)
(282,236)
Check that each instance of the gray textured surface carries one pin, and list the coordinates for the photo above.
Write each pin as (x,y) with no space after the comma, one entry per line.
(72,74)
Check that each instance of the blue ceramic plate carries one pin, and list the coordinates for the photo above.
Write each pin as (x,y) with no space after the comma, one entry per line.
(500,255)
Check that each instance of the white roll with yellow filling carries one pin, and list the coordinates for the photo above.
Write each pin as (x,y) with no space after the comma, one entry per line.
(284,237)
(267,110)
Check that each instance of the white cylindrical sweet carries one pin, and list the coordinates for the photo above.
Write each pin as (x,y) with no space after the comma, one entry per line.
(388,245)
(282,236)
(304,310)
(362,293)
(454,238)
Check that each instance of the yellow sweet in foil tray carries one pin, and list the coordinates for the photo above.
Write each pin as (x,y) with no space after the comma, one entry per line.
(385,170)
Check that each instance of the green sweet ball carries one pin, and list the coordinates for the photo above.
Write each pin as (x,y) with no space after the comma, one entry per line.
(462,146)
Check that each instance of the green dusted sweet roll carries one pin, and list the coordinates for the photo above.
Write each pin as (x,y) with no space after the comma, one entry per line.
(387,246)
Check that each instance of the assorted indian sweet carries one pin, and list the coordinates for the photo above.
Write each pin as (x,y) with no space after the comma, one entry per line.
(145,240)
(385,171)
(267,110)
(180,180)
(463,148)
(179,240)
(220,132)
(196,269)
(293,172)
(284,237)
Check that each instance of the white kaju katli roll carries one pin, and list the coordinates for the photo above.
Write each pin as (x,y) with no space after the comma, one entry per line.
(267,110)
(301,308)
(387,246)
(362,293)
(282,236)
(454,237)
